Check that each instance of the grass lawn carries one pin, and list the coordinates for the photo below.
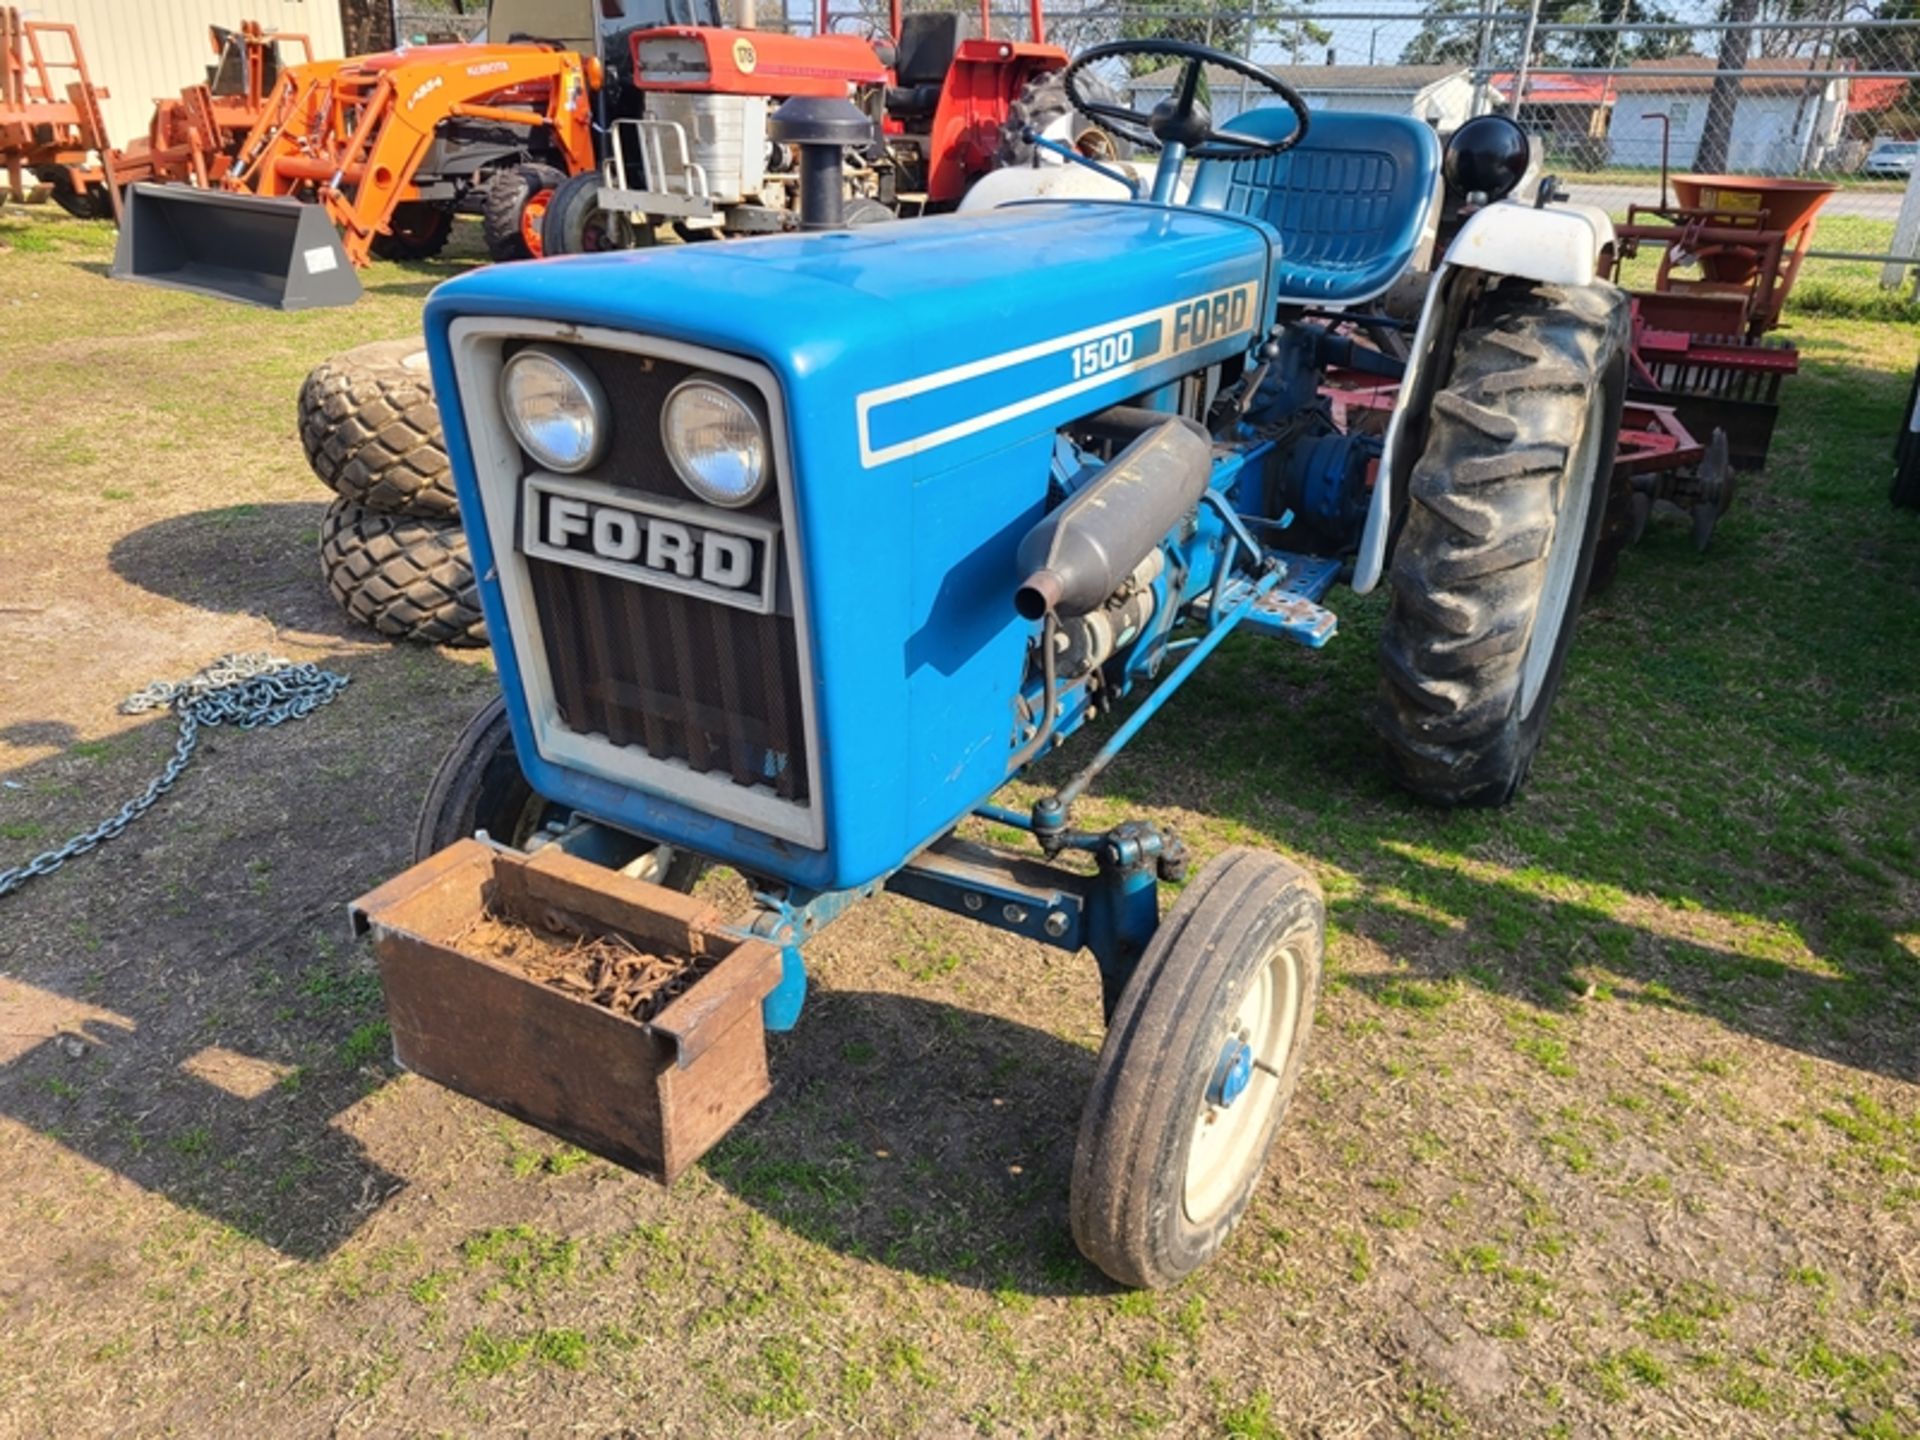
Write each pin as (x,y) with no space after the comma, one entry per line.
(1612,1124)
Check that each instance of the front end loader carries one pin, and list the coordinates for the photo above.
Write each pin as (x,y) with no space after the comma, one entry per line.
(795,552)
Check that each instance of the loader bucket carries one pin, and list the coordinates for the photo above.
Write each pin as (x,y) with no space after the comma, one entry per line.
(260,250)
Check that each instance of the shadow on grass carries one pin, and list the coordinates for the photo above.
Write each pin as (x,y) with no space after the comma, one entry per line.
(922,1137)
(240,559)
(156,1027)
(1720,818)
(182,1007)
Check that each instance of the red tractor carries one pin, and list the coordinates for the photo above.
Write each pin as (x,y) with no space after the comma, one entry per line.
(944,109)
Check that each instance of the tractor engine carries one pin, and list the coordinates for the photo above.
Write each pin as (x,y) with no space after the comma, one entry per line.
(701,154)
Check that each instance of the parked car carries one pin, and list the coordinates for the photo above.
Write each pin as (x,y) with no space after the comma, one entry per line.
(1891,159)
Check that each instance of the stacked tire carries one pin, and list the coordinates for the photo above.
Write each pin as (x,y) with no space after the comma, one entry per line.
(391,547)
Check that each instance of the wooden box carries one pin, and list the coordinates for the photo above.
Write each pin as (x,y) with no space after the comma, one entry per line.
(651,1096)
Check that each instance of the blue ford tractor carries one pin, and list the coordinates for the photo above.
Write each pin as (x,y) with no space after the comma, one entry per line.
(795,551)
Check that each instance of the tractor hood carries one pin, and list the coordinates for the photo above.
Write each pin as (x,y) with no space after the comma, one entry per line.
(883,314)
(915,375)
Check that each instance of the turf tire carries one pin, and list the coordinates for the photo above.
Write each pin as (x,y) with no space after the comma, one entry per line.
(1248,913)
(1042,101)
(502,216)
(1519,447)
(372,432)
(479,785)
(407,577)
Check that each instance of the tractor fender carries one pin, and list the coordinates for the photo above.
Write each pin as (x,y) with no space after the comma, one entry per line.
(1555,245)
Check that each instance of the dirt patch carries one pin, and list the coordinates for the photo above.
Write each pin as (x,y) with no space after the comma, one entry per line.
(608,970)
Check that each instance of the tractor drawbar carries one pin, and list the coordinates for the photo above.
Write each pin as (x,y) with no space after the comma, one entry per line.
(1082,552)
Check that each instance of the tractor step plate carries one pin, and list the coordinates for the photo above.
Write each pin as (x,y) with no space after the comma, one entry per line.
(1292,609)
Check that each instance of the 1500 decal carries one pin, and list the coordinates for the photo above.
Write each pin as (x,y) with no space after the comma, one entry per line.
(913,416)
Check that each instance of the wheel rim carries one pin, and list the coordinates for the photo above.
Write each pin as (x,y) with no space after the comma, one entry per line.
(602,231)
(1231,1131)
(1563,561)
(531,214)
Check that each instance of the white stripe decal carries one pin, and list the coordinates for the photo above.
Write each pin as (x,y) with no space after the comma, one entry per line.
(1222,313)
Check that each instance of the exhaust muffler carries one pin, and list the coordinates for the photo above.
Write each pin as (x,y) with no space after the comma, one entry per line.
(1085,550)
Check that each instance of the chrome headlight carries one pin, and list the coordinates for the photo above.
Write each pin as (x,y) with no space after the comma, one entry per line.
(716,441)
(555,408)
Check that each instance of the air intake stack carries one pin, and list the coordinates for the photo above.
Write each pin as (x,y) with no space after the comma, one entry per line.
(821,129)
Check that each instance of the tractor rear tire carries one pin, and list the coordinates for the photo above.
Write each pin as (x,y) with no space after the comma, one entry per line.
(479,785)
(515,205)
(419,231)
(408,578)
(1201,1060)
(576,225)
(372,432)
(1042,103)
(1508,498)
(92,203)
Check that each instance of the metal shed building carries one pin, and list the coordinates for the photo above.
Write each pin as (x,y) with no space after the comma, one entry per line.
(141,50)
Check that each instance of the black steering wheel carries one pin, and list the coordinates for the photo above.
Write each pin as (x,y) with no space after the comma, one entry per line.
(1182,117)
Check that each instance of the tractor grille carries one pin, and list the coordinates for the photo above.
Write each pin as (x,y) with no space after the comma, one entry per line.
(681,677)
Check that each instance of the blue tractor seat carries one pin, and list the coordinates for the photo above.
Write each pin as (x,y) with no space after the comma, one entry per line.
(1349,201)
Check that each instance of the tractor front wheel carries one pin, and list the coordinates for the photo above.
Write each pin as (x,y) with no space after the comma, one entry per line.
(576,224)
(1508,498)
(480,786)
(1201,1060)
(516,204)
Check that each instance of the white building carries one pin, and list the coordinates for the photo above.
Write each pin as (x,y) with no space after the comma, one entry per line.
(143,50)
(1781,125)
(1442,95)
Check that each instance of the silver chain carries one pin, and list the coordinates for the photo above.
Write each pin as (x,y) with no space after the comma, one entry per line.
(248,692)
